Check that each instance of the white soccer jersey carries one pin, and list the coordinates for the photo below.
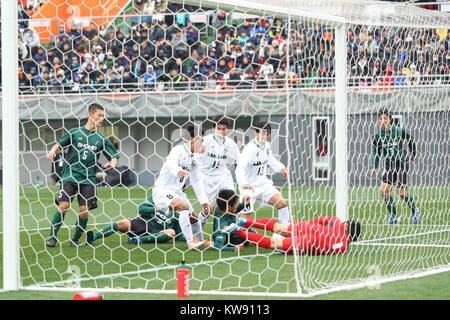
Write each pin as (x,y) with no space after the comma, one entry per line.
(252,165)
(218,151)
(181,158)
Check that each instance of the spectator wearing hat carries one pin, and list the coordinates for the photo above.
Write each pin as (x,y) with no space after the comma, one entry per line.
(388,78)
(413,77)
(59,84)
(98,54)
(149,78)
(179,44)
(31,39)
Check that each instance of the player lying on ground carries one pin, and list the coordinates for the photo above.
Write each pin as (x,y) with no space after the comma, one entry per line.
(389,142)
(151,226)
(85,144)
(251,174)
(324,235)
(218,149)
(183,160)
(225,214)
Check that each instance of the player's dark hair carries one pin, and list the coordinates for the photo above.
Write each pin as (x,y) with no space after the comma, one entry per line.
(354,229)
(94,107)
(262,125)
(191,128)
(384,111)
(220,119)
(225,198)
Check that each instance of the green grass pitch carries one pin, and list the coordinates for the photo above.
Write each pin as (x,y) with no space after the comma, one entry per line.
(113,263)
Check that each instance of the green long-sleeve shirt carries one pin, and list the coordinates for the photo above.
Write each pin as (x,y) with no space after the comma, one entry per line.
(222,240)
(159,220)
(390,145)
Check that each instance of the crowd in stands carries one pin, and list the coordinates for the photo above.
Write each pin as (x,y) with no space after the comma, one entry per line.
(159,48)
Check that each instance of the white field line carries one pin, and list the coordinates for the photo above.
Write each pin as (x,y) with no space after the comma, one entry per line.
(132,273)
(368,283)
(404,236)
(401,245)
(366,242)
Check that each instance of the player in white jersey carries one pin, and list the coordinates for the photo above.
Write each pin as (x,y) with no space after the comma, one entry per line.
(218,149)
(183,160)
(251,174)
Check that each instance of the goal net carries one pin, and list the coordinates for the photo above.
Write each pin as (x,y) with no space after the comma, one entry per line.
(318,73)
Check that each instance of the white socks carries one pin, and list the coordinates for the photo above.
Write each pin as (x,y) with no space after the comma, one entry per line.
(283,215)
(197,231)
(203,218)
(185,225)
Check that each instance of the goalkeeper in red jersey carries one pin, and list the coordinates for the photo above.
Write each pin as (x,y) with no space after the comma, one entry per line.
(324,235)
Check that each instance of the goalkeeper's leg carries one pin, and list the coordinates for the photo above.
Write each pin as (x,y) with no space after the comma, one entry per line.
(265,242)
(266,224)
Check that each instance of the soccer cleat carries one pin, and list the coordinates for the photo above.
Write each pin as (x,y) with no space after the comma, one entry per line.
(242,222)
(208,243)
(90,237)
(393,220)
(51,242)
(231,228)
(134,240)
(195,244)
(415,216)
(74,243)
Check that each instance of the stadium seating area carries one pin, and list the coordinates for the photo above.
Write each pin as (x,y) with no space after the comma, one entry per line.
(158,47)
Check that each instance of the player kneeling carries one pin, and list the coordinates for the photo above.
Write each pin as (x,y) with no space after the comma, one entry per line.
(151,226)
(226,213)
(324,235)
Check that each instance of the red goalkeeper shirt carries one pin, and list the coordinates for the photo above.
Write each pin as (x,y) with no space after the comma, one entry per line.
(324,235)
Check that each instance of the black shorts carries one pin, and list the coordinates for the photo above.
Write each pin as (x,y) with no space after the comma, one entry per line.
(86,194)
(396,174)
(140,227)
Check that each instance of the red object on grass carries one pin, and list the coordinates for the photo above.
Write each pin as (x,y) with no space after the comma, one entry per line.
(183,281)
(88,295)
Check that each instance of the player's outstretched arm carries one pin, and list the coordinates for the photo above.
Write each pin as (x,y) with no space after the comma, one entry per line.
(54,150)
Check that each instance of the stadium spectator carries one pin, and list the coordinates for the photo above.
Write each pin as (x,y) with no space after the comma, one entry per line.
(164,34)
(413,77)
(400,79)
(31,39)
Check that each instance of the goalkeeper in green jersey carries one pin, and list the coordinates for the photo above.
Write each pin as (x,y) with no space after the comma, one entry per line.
(84,144)
(389,142)
(225,214)
(151,226)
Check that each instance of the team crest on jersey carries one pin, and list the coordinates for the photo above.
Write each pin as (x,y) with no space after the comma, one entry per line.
(227,149)
(193,163)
